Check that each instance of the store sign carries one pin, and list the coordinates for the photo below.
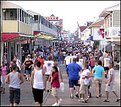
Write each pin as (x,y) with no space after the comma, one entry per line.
(101,32)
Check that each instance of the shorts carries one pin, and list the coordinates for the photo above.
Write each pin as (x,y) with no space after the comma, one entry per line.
(73,83)
(106,68)
(54,92)
(83,87)
(28,72)
(14,95)
(38,95)
(92,67)
(110,88)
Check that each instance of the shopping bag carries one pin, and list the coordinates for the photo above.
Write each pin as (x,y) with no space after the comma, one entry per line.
(62,88)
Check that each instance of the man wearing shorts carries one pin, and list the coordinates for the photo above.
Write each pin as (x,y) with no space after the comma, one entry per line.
(73,70)
(110,85)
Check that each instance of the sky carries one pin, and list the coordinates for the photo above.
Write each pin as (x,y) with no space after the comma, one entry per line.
(70,11)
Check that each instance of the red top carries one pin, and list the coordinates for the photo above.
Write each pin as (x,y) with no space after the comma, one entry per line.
(55,80)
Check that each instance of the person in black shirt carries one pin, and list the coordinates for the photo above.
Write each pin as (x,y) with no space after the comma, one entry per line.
(28,66)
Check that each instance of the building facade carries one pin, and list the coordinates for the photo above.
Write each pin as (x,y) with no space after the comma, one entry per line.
(16,29)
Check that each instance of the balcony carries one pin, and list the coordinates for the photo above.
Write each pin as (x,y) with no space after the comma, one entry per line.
(113,34)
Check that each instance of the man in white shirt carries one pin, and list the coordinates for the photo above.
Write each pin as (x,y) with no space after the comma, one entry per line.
(110,84)
(47,67)
(67,60)
(106,64)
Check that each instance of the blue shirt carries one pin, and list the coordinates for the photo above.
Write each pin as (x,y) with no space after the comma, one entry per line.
(98,71)
(73,70)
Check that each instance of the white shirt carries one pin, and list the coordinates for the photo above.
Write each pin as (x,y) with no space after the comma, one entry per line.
(111,72)
(84,73)
(68,60)
(38,79)
(72,57)
(106,62)
(48,65)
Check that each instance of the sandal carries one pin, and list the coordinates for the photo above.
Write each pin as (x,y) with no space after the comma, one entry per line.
(106,100)
(117,100)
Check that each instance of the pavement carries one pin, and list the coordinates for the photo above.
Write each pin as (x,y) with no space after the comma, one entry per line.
(27,96)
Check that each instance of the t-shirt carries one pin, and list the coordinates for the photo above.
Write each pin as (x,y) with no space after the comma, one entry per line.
(72,57)
(4,70)
(73,70)
(28,64)
(85,73)
(106,62)
(111,72)
(98,71)
(68,60)
(48,65)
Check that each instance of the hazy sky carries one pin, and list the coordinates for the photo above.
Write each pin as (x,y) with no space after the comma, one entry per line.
(69,11)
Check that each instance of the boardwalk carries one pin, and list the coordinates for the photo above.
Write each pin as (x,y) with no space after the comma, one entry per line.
(27,98)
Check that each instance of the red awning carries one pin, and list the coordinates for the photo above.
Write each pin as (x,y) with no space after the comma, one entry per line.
(7,36)
(36,32)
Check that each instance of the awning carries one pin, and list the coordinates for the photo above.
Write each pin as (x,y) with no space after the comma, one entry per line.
(12,36)
(46,37)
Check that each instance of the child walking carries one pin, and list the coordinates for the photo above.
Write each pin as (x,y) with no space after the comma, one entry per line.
(55,85)
(14,79)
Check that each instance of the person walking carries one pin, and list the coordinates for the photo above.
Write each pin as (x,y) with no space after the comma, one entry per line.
(110,84)
(85,84)
(28,67)
(47,68)
(98,76)
(38,83)
(14,79)
(4,69)
(73,71)
(55,85)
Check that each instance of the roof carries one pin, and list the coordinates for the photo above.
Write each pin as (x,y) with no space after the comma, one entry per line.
(32,13)
(82,28)
(6,4)
(107,11)
(98,23)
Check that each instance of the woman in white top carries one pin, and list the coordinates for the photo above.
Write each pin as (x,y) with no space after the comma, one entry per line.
(84,83)
(38,83)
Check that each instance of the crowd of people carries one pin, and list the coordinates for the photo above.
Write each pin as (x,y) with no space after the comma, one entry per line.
(40,68)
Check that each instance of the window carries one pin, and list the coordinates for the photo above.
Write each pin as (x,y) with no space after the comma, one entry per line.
(9,14)
(35,18)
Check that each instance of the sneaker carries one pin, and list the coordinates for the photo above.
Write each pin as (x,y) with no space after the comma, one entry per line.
(117,100)
(106,100)
(77,95)
(59,101)
(55,104)
(71,96)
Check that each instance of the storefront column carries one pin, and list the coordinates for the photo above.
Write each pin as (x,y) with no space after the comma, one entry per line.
(16,48)
(19,51)
(2,45)
(9,52)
